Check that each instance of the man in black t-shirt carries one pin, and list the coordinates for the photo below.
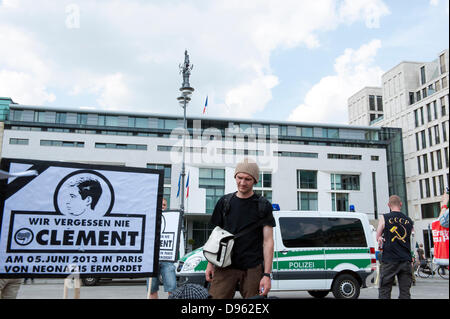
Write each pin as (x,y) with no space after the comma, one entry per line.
(394,235)
(252,254)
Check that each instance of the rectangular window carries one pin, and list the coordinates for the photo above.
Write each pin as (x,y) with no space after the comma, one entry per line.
(60,118)
(295,154)
(82,118)
(438,159)
(108,120)
(444,82)
(424,141)
(141,147)
(307,201)
(140,122)
(442,63)
(307,131)
(435,110)
(306,179)
(344,182)
(17,115)
(264,185)
(427,187)
(444,131)
(372,102)
(430,210)
(419,165)
(416,118)
(339,202)
(302,232)
(213,180)
(443,106)
(167,124)
(330,132)
(417,141)
(421,116)
(379,103)
(431,89)
(39,116)
(430,136)
(344,232)
(18,141)
(423,79)
(421,188)
(425,163)
(61,143)
(435,191)
(436,134)
(429,118)
(167,168)
(344,156)
(411,98)
(446,156)
(441,184)
(432,160)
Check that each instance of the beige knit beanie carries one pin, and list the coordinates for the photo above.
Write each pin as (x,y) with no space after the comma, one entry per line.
(249,167)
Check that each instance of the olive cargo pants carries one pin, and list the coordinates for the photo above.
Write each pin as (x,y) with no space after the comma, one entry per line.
(225,280)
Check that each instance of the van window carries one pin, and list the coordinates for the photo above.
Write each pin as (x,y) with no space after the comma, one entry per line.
(297,232)
(343,232)
(301,232)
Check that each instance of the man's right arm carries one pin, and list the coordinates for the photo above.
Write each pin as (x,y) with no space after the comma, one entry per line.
(380,231)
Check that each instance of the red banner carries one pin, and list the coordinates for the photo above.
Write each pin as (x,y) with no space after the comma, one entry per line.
(440,240)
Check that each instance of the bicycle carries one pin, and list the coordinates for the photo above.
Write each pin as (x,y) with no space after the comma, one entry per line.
(430,269)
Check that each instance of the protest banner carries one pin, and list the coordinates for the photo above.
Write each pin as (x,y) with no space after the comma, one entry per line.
(170,235)
(440,241)
(103,221)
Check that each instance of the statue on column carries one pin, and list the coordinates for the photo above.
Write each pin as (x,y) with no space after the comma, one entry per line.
(185,69)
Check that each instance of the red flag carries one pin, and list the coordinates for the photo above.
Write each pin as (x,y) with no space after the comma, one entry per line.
(440,239)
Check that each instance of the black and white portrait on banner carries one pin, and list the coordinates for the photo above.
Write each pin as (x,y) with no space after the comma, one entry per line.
(97,220)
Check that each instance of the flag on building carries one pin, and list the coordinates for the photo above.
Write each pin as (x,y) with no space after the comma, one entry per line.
(187,187)
(206,104)
(179,184)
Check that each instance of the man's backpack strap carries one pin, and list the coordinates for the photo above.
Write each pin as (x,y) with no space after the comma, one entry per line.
(262,202)
(226,204)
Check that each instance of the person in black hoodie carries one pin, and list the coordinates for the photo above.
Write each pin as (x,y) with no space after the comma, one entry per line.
(394,235)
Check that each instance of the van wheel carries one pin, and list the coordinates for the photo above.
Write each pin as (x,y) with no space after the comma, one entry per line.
(346,287)
(318,293)
(90,281)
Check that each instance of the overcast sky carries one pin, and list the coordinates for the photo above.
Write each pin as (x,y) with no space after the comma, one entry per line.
(296,60)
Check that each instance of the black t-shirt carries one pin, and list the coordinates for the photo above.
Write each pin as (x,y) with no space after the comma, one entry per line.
(397,235)
(243,212)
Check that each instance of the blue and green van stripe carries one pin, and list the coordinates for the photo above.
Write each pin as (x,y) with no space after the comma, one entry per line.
(317,259)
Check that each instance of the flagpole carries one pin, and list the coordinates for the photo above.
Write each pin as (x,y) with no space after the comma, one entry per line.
(184,99)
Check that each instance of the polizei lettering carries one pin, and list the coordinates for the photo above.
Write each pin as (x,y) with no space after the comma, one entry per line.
(113,238)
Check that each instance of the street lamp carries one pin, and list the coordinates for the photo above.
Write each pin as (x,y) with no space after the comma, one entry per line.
(183,100)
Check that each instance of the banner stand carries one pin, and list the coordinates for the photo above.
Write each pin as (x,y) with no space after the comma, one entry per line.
(74,283)
(149,287)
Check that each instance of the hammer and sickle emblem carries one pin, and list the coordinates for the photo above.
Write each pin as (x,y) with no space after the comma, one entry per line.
(398,236)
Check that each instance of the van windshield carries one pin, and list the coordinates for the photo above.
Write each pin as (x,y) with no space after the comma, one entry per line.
(322,232)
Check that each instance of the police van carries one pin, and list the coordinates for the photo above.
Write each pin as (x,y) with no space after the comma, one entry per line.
(317,252)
